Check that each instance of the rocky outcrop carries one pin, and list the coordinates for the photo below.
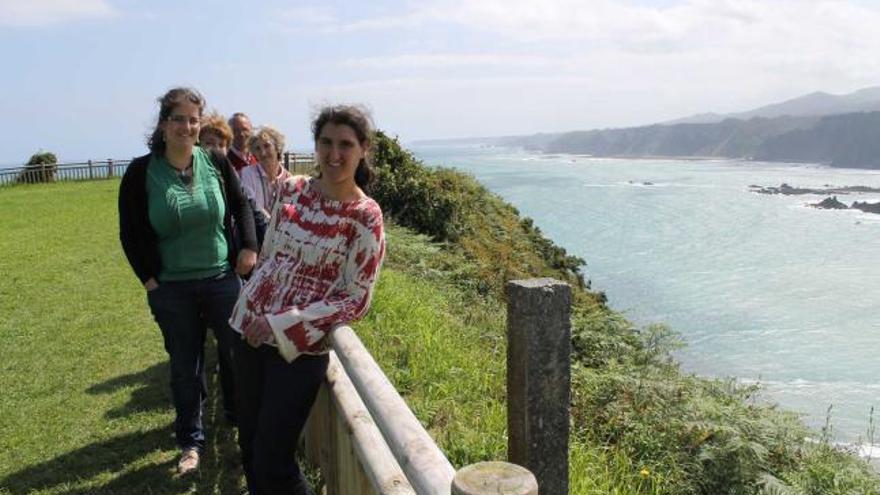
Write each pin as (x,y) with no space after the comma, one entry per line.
(867,207)
(830,203)
(788,190)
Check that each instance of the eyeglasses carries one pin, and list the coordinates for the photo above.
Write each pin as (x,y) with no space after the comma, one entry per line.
(183,119)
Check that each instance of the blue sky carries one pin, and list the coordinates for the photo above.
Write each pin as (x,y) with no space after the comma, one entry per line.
(81,76)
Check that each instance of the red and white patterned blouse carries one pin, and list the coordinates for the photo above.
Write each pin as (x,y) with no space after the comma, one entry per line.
(317,267)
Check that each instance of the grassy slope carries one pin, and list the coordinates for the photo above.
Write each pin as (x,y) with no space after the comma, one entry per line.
(85,407)
(640,425)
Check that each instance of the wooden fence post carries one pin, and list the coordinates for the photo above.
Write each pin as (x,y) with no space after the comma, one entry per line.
(287,161)
(91,171)
(492,478)
(109,168)
(539,379)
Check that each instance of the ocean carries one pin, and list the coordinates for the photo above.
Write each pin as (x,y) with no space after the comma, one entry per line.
(762,288)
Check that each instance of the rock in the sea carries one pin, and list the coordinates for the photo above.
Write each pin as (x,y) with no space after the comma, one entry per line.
(867,207)
(830,203)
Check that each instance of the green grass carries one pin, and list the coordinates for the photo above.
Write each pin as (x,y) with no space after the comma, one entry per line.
(85,405)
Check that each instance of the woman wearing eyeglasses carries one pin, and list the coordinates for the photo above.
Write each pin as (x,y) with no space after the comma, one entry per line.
(176,205)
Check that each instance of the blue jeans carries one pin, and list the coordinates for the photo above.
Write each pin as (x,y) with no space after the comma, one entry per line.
(274,401)
(184,310)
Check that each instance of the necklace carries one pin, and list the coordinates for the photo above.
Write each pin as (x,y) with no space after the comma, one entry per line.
(185,175)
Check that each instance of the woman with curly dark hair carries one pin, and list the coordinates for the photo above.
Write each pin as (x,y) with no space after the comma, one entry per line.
(176,206)
(317,267)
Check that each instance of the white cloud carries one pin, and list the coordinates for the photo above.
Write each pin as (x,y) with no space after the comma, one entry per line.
(36,13)
(326,21)
(825,44)
(306,17)
(449,60)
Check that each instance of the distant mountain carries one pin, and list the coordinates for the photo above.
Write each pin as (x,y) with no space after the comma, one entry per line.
(847,140)
(837,130)
(729,138)
(813,104)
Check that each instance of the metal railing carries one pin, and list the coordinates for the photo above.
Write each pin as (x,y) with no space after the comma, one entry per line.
(297,163)
(77,171)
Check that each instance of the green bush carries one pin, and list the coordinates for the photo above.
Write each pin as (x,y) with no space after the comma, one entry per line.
(40,167)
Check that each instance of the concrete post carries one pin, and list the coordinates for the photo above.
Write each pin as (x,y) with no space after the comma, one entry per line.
(492,478)
(539,379)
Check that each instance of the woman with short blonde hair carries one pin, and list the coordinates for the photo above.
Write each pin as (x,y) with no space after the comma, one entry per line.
(261,182)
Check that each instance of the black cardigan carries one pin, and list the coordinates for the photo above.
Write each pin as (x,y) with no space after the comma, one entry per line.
(139,240)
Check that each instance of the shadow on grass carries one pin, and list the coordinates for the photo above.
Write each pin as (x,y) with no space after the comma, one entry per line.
(152,391)
(139,462)
(119,466)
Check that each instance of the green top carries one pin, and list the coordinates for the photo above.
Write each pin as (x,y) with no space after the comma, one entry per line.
(188,219)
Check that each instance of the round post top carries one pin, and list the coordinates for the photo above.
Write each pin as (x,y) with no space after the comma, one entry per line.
(494,478)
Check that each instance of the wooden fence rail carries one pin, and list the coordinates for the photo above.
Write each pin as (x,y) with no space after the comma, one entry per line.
(366,440)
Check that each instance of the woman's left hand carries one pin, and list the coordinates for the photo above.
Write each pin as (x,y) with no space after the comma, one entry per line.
(245,262)
(258,332)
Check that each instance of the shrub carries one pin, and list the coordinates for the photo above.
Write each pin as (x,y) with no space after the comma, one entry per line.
(40,167)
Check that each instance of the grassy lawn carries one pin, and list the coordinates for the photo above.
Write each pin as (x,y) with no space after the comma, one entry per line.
(85,404)
(86,408)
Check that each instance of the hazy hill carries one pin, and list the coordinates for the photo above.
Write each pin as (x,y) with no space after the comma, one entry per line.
(837,130)
(729,138)
(847,140)
(813,104)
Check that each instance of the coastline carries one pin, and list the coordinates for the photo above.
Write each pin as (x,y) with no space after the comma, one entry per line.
(626,234)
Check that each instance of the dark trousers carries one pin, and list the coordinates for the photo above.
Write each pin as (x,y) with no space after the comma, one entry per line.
(183,310)
(274,400)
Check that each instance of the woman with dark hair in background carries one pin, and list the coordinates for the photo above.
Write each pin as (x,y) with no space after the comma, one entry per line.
(175,213)
(316,270)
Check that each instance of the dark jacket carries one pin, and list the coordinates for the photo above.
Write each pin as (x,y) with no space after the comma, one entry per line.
(139,240)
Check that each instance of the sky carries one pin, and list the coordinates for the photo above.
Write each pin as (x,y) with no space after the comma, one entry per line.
(81,77)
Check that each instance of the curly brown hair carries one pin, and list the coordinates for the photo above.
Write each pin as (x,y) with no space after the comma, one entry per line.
(216,123)
(167,103)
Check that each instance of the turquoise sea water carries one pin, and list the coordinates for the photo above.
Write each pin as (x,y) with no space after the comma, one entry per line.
(762,288)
